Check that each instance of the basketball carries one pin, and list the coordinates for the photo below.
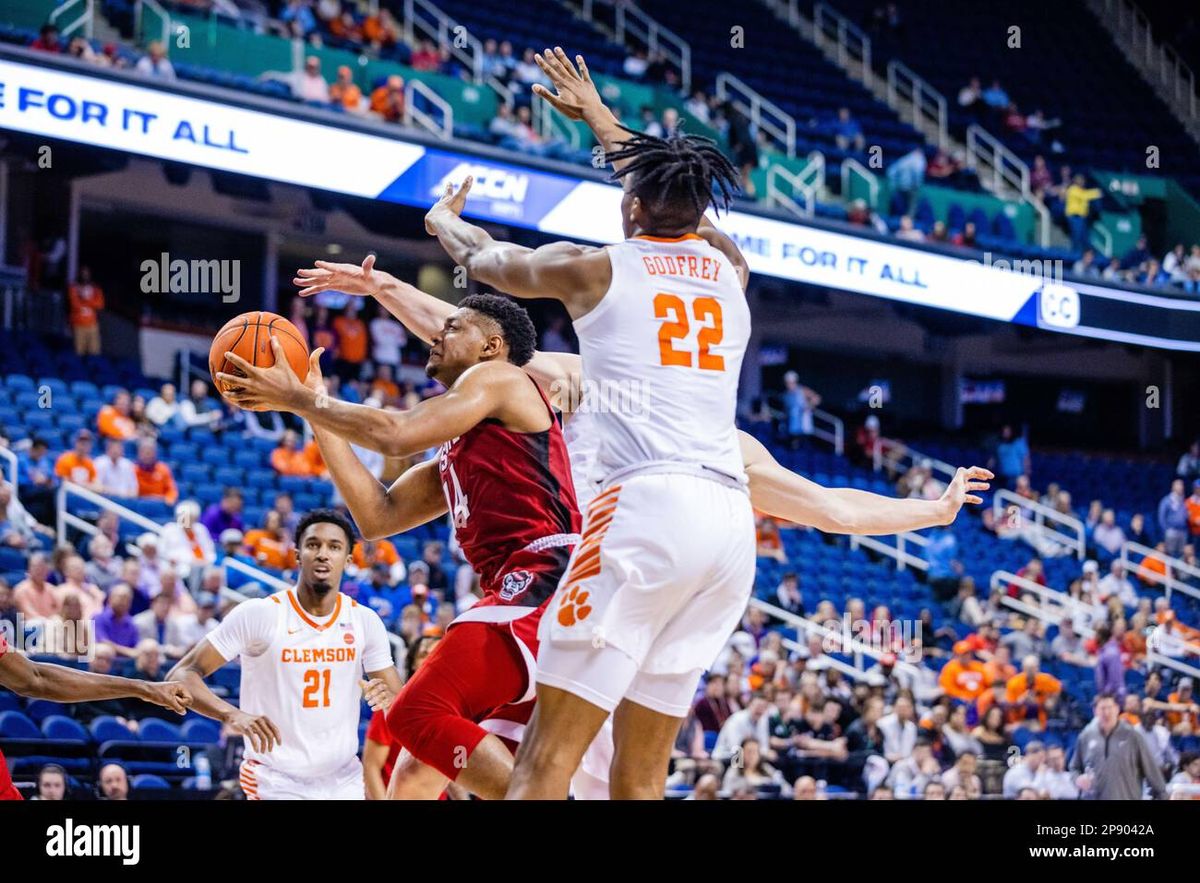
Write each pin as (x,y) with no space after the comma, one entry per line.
(249,336)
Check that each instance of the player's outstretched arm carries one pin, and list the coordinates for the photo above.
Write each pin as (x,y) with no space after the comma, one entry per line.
(784,494)
(575,274)
(576,97)
(57,683)
(201,661)
(419,312)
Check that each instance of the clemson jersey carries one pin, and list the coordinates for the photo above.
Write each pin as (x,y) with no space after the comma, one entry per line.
(303,674)
(662,353)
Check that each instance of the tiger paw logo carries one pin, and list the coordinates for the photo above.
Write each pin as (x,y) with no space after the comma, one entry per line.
(574,607)
(514,584)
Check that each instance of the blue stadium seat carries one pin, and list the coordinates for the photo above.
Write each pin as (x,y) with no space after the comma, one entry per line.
(40,709)
(155,730)
(149,782)
(108,729)
(15,725)
(58,726)
(200,730)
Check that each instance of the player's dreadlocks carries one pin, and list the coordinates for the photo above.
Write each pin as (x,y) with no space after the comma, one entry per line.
(675,177)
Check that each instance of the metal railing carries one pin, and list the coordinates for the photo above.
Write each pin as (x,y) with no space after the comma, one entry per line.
(859,649)
(1009,171)
(1106,240)
(844,40)
(899,552)
(1167,581)
(1064,605)
(1156,657)
(139,14)
(767,116)
(631,22)
(1005,501)
(851,166)
(1158,62)
(413,115)
(905,458)
(67,519)
(927,104)
(86,19)
(424,19)
(835,434)
(782,186)
(550,124)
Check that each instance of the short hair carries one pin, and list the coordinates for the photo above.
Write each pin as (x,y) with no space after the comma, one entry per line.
(515,325)
(678,176)
(325,516)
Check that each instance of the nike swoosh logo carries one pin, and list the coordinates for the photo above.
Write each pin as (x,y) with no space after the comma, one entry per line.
(293,631)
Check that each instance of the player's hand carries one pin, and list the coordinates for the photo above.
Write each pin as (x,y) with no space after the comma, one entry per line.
(347,278)
(575,94)
(377,693)
(263,734)
(315,379)
(170,694)
(452,203)
(262,389)
(961,489)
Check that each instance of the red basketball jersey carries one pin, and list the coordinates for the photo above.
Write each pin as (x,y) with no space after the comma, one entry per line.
(510,493)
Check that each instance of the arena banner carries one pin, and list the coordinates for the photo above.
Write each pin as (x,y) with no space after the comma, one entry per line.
(301,146)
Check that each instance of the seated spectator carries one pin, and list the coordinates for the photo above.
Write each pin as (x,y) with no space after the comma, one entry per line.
(114,419)
(966,237)
(908,232)
(1040,178)
(47,40)
(1068,646)
(388,99)
(75,582)
(76,465)
(185,543)
(112,783)
(1153,568)
(34,596)
(899,729)
(425,57)
(788,596)
(154,477)
(941,166)
(963,677)
(345,91)
(115,474)
(1189,463)
(368,553)
(37,482)
(225,515)
(995,97)
(770,545)
(712,708)
(1031,694)
(288,458)
(152,623)
(1116,584)
(155,64)
(187,630)
(163,409)
(19,529)
(1023,774)
(749,723)
(271,545)
(752,771)
(999,667)
(970,96)
(298,15)
(1053,779)
(1086,265)
(1034,571)
(199,408)
(635,65)
(990,733)
(66,634)
(847,132)
(308,84)
(114,624)
(1014,120)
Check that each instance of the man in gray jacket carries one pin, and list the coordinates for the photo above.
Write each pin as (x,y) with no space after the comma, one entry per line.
(1112,760)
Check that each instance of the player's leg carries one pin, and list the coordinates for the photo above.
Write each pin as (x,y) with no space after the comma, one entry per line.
(590,781)
(642,740)
(562,727)
(413,780)
(473,670)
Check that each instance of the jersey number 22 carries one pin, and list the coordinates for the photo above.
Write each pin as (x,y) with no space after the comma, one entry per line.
(707,312)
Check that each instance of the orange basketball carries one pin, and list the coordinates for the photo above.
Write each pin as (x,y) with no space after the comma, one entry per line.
(249,336)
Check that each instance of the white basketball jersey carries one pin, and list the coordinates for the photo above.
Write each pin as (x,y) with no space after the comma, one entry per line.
(304,676)
(662,353)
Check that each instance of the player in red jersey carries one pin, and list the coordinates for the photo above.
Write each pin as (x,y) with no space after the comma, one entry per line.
(39,680)
(503,474)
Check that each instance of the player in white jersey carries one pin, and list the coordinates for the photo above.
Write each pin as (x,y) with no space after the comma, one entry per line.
(773,489)
(303,654)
